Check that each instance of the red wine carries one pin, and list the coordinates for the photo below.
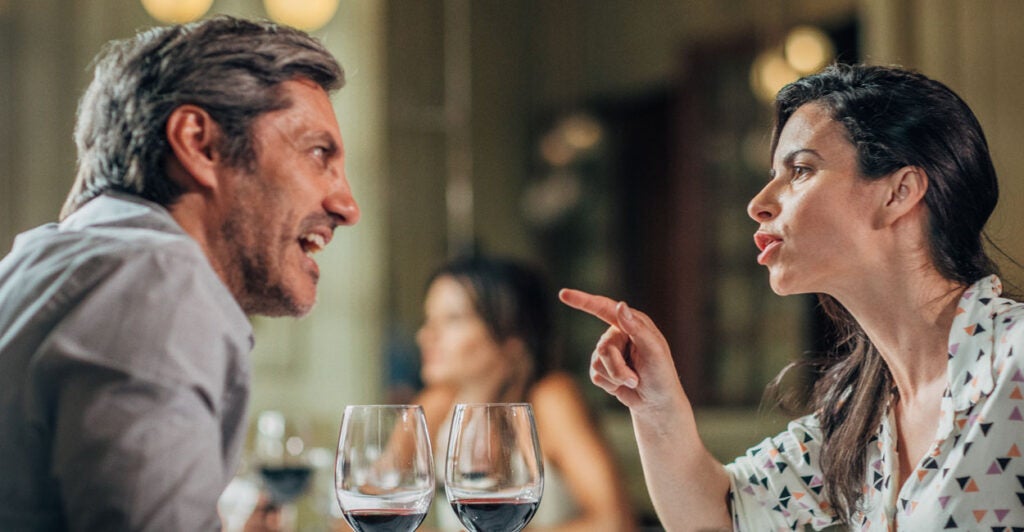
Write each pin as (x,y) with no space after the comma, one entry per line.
(384,520)
(285,484)
(494,515)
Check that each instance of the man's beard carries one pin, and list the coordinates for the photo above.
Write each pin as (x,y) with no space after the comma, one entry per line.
(258,293)
(262,296)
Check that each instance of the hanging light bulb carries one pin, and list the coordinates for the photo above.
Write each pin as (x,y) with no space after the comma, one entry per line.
(555,150)
(176,11)
(769,73)
(808,49)
(581,131)
(305,15)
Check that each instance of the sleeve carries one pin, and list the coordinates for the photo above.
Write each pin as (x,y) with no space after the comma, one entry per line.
(777,484)
(137,377)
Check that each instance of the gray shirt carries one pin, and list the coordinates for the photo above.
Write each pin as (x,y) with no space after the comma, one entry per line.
(123,375)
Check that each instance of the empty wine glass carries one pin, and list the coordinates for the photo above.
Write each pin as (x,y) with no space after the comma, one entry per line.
(494,476)
(384,476)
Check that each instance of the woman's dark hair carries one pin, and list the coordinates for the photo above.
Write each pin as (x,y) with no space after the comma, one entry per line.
(230,67)
(894,118)
(513,300)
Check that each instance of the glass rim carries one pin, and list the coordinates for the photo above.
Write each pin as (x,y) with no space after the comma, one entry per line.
(490,405)
(395,407)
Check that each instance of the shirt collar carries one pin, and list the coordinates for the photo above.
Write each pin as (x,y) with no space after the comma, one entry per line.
(119,209)
(971,343)
(122,210)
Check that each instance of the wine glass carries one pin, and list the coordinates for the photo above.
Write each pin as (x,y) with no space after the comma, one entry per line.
(384,475)
(280,455)
(494,476)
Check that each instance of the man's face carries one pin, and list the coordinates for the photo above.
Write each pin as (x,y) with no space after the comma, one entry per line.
(287,209)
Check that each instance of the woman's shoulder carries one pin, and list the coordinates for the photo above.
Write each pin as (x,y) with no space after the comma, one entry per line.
(1008,313)
(1008,326)
(565,421)
(554,387)
(558,401)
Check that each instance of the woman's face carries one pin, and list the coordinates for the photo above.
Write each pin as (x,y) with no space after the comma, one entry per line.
(816,213)
(454,341)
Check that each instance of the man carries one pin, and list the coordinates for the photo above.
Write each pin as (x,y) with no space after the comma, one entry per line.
(210,171)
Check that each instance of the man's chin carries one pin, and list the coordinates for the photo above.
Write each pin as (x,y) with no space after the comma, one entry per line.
(283,305)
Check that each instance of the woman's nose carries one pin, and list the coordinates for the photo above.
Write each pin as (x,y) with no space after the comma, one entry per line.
(419,336)
(423,336)
(763,206)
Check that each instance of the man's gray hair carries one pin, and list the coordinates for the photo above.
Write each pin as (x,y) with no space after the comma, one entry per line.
(231,68)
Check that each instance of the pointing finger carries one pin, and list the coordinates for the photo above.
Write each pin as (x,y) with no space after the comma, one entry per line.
(600,307)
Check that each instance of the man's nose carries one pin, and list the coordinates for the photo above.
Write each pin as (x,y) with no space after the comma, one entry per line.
(342,203)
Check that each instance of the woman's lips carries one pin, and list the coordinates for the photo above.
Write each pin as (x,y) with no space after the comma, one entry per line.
(767,243)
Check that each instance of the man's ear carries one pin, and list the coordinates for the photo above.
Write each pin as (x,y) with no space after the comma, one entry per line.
(904,190)
(193,137)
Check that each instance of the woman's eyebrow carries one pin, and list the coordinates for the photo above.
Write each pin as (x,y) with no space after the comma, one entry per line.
(788,159)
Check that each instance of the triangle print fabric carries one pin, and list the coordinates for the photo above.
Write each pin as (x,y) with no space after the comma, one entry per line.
(972,478)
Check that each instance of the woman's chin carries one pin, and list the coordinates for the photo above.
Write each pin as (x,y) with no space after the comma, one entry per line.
(781,284)
(779,289)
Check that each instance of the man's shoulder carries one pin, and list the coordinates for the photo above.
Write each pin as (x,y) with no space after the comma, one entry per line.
(107,227)
(144,301)
(133,268)
(121,227)
(82,259)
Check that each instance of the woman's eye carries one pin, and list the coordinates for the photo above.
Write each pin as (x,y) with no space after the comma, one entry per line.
(800,172)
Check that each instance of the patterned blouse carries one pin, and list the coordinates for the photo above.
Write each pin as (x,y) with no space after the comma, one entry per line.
(971,479)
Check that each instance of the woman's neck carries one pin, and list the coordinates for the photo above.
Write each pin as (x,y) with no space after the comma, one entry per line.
(491,390)
(908,318)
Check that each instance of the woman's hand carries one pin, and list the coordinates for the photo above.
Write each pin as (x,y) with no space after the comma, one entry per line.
(632,360)
(688,487)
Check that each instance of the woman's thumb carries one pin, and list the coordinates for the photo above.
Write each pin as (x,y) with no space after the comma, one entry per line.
(626,317)
(630,322)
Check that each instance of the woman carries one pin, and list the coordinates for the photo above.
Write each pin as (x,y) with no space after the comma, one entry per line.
(486,338)
(881,184)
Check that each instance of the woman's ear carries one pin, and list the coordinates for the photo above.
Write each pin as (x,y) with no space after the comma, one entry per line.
(904,190)
(193,137)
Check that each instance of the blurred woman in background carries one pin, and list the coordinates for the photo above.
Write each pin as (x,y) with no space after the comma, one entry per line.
(487,338)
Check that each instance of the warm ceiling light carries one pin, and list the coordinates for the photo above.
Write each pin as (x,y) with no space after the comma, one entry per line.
(176,11)
(808,49)
(305,15)
(769,73)
(581,131)
(555,150)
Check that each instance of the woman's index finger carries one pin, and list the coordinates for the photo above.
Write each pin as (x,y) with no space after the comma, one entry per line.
(600,307)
